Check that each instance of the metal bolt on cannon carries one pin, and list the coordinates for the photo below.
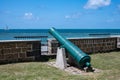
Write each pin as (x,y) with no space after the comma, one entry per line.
(82,59)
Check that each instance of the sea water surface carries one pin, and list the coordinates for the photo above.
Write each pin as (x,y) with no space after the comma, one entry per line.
(68,33)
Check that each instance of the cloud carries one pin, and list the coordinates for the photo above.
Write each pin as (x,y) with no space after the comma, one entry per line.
(67,16)
(95,4)
(76,15)
(28,16)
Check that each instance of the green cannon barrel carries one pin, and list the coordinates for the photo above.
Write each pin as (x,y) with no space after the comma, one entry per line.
(78,55)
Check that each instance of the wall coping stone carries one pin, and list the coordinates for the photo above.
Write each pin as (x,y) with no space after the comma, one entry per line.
(50,39)
(1,41)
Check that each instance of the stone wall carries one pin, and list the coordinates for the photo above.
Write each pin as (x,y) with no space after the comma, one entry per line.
(88,45)
(18,50)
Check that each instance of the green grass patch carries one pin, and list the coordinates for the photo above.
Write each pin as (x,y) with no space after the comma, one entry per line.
(108,63)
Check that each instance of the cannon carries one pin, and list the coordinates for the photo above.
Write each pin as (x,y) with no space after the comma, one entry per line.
(82,59)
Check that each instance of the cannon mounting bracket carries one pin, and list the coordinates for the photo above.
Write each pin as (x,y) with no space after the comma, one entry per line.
(61,58)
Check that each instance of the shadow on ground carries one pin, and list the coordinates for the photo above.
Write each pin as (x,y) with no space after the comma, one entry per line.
(45,58)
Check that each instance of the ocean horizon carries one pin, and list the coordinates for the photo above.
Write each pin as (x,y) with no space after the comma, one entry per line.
(10,34)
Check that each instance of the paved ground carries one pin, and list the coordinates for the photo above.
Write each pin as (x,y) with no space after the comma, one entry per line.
(74,70)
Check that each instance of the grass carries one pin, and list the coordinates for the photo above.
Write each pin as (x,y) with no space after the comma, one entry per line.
(109,63)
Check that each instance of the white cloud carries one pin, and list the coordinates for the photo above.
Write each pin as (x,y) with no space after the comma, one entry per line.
(95,4)
(28,15)
(76,15)
(67,16)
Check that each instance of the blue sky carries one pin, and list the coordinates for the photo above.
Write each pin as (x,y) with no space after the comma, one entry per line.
(69,14)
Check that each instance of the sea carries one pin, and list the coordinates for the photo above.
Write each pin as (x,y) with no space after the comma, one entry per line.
(12,34)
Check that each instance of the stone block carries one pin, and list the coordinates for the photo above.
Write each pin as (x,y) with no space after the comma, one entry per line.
(1,57)
(37,52)
(18,50)
(15,56)
(21,55)
(9,45)
(21,44)
(29,45)
(30,58)
(29,54)
(33,53)
(29,49)
(1,46)
(6,51)
(8,56)
(1,51)
(11,58)
(36,46)
(23,50)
